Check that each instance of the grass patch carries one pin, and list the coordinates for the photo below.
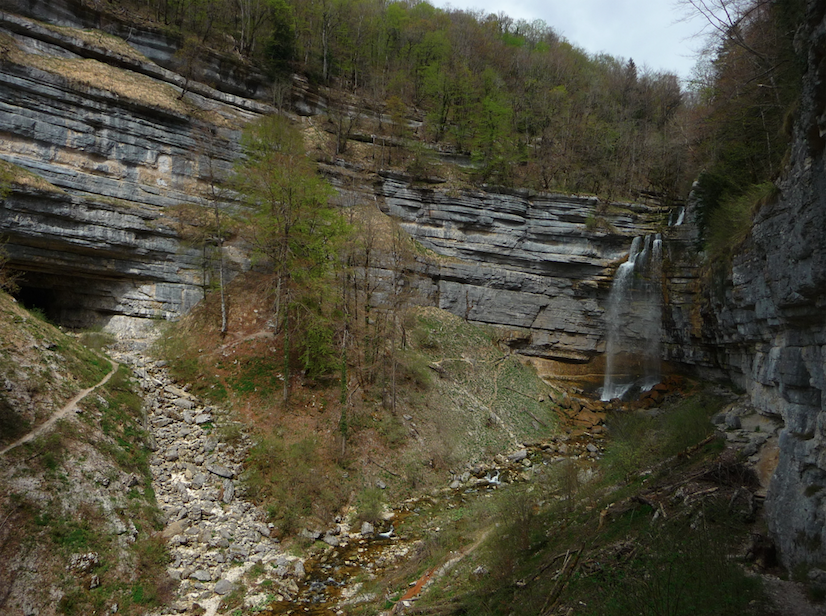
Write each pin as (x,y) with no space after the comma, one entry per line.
(730,222)
(284,478)
(676,570)
(549,550)
(185,365)
(14,174)
(638,441)
(12,424)
(258,375)
(96,340)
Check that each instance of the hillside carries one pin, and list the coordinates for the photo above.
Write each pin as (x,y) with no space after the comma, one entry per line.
(314,303)
(78,507)
(461,397)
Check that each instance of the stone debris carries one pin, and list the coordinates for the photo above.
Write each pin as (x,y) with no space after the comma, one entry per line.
(84,562)
(210,526)
(522,465)
(755,435)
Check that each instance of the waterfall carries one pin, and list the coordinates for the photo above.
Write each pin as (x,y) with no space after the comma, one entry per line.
(634,321)
(677,217)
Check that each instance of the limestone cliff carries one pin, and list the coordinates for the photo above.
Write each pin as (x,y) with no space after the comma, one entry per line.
(534,263)
(120,145)
(763,319)
(122,142)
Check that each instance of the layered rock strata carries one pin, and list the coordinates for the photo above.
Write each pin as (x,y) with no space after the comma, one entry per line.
(762,320)
(538,264)
(121,148)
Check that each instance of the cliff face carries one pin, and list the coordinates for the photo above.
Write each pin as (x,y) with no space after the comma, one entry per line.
(123,143)
(534,263)
(778,307)
(763,320)
(120,149)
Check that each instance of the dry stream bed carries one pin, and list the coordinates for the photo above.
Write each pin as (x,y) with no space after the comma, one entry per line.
(221,547)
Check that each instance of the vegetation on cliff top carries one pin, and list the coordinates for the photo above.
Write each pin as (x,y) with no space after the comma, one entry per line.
(525,105)
(747,92)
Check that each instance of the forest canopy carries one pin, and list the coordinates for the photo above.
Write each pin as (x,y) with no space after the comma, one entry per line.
(526,106)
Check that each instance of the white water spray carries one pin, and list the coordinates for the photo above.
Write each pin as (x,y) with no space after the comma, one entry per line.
(634,321)
(677,217)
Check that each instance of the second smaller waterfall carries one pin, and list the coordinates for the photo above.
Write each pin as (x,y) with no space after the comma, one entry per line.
(634,321)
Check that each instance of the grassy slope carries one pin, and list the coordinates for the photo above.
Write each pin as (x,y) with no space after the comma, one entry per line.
(78,487)
(652,530)
(41,369)
(670,538)
(460,400)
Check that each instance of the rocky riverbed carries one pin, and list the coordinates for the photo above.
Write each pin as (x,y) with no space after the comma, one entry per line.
(222,547)
(214,534)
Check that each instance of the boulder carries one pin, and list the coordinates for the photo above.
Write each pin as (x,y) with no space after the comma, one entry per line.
(221,471)
(223,587)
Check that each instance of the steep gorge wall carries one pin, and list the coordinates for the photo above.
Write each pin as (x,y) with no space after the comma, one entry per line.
(762,321)
(122,141)
(119,148)
(536,264)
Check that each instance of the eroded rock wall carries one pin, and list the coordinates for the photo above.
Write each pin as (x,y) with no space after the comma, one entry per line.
(778,293)
(762,320)
(538,264)
(120,146)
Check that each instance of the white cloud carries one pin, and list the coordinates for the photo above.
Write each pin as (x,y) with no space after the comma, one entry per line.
(649,31)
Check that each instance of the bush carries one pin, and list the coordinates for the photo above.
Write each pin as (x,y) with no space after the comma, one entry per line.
(730,223)
(679,571)
(284,478)
(370,505)
(639,441)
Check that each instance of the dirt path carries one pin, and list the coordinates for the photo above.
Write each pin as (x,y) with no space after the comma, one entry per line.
(71,405)
(435,573)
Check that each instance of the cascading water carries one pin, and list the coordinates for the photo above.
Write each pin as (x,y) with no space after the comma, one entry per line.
(677,217)
(634,321)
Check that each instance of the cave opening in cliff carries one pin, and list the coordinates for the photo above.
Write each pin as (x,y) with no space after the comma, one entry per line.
(59,298)
(39,299)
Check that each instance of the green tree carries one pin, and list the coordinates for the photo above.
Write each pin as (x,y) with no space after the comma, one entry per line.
(280,47)
(296,230)
(745,95)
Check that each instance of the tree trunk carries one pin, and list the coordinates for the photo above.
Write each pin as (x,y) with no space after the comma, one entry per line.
(221,285)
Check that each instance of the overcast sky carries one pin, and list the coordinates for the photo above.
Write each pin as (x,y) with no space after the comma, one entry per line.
(649,31)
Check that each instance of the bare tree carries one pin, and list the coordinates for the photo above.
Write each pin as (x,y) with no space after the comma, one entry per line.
(728,19)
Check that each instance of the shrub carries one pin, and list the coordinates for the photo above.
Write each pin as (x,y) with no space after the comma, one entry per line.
(730,223)
(639,441)
(370,505)
(284,479)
